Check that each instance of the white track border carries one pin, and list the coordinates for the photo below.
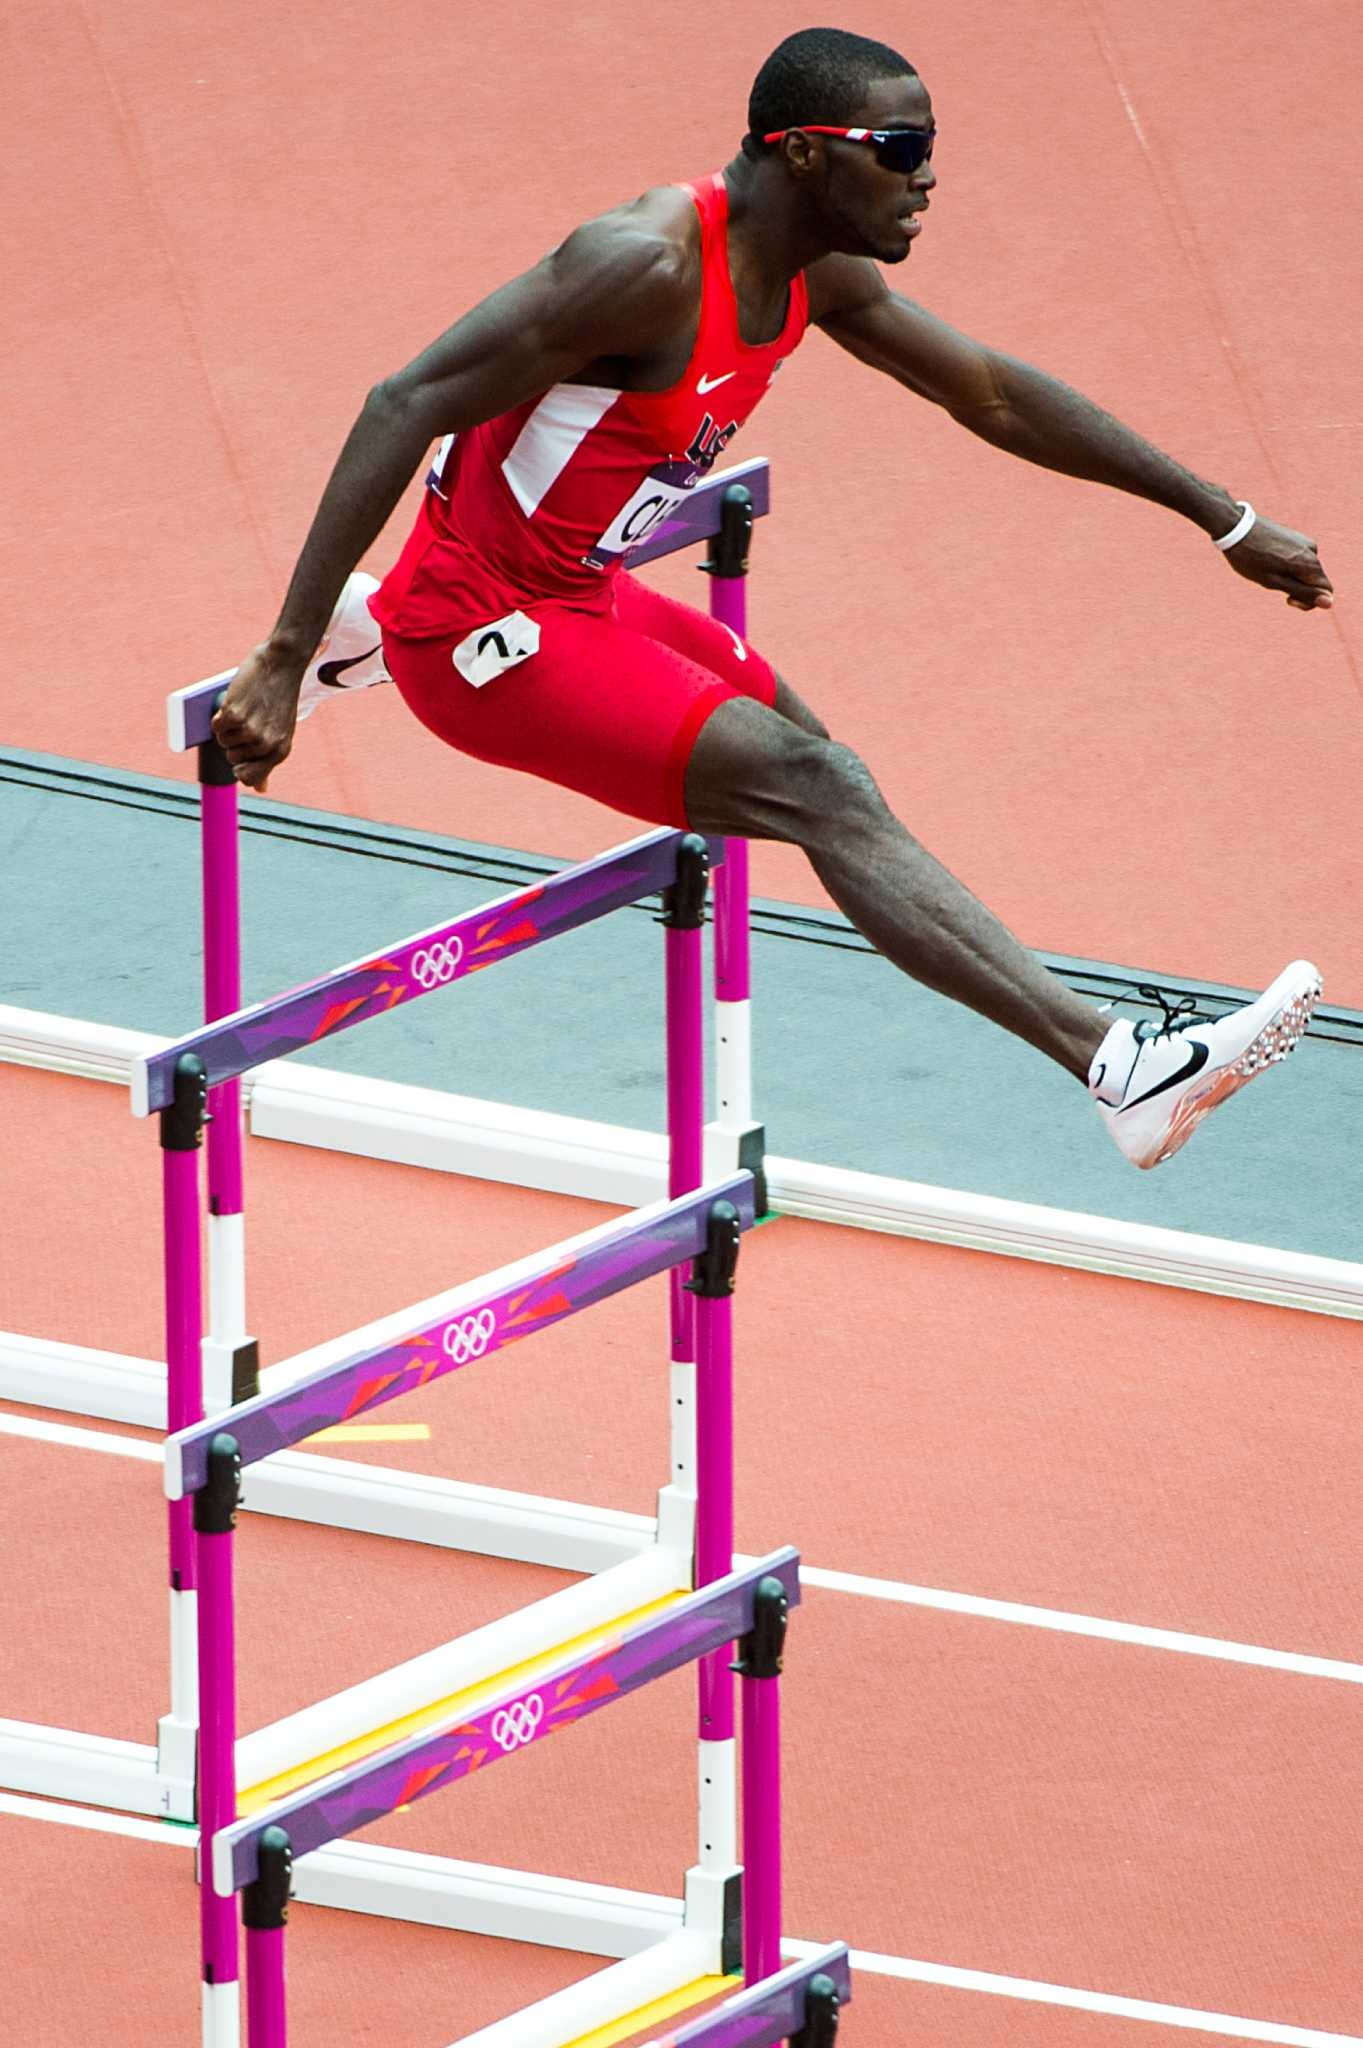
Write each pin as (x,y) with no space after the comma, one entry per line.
(639,1532)
(409,1126)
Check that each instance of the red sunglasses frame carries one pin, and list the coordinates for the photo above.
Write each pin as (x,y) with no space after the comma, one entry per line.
(882,139)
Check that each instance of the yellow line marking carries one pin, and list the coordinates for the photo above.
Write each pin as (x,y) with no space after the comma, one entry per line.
(464,1704)
(371,1433)
(654,2014)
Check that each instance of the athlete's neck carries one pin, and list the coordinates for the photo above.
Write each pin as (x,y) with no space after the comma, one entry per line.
(768,242)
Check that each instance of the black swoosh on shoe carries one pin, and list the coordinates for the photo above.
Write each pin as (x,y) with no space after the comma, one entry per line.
(330,673)
(1198,1055)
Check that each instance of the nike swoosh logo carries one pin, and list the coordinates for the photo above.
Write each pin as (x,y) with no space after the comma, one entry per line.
(330,673)
(704,384)
(1197,1058)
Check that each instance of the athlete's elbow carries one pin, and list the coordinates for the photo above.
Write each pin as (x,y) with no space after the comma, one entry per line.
(406,407)
(391,398)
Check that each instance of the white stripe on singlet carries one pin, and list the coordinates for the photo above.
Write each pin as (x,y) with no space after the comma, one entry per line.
(551,437)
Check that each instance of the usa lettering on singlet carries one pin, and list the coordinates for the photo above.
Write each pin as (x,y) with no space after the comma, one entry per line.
(661,491)
(564,488)
(647,507)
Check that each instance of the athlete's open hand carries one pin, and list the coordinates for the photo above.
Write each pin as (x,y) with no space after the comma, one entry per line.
(254,725)
(1281,559)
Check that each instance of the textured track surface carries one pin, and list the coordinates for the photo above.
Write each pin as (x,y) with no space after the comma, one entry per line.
(246,218)
(1067,693)
(961,1789)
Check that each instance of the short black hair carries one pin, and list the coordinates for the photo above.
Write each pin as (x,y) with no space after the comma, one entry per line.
(818,74)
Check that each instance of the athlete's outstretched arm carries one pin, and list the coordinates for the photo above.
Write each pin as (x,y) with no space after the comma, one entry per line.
(1030,414)
(611,289)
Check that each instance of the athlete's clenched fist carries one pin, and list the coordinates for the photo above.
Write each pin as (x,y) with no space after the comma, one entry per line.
(254,725)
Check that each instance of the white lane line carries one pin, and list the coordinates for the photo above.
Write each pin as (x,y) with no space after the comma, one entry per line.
(1035,1993)
(898,1592)
(182,1835)
(874,1964)
(82,1439)
(1082,1625)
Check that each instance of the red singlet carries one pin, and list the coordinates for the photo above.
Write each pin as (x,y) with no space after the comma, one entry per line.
(508,626)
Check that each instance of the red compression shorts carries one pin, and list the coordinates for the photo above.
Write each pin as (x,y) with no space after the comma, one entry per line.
(610,705)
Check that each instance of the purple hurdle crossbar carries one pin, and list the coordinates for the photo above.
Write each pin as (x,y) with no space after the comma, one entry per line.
(473,1321)
(414,966)
(789,2004)
(512,1719)
(249,1854)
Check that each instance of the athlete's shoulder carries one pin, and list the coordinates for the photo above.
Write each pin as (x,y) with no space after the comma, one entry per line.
(648,248)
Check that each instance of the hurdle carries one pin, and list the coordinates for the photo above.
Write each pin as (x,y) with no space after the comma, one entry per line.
(697,1225)
(334,1491)
(480,1724)
(254,1857)
(720,512)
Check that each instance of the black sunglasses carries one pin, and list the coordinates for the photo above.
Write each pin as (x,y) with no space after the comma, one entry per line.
(899,149)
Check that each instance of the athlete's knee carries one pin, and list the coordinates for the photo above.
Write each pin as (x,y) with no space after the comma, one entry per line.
(792,706)
(760,776)
(834,788)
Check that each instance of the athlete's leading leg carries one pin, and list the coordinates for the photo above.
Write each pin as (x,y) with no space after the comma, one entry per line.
(765,776)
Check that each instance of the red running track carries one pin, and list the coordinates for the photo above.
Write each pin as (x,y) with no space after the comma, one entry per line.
(1047,1806)
(1129,752)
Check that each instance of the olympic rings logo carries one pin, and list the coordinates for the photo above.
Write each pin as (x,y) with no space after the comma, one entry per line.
(469,1337)
(518,1724)
(435,964)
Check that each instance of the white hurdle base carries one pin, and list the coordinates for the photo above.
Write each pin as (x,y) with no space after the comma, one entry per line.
(92,1770)
(377,1500)
(610,1995)
(76,1380)
(494,1141)
(380,1500)
(478,1898)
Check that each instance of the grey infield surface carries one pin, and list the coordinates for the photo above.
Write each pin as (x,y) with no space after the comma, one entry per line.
(854,1065)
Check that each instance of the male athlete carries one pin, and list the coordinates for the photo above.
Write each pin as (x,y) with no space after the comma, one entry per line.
(608,379)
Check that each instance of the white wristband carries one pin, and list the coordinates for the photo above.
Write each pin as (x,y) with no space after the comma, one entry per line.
(1240,528)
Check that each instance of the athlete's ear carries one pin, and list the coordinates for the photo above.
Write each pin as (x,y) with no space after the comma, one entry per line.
(801,151)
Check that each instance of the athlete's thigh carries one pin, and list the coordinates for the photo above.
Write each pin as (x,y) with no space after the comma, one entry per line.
(705,639)
(595,707)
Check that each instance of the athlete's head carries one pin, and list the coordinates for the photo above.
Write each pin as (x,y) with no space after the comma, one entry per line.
(855,193)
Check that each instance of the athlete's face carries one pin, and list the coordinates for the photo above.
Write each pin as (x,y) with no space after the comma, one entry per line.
(869,210)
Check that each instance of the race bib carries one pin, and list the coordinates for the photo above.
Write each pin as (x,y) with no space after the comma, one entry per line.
(488,651)
(651,504)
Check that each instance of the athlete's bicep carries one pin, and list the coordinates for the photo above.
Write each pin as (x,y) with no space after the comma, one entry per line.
(857,309)
(610,289)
